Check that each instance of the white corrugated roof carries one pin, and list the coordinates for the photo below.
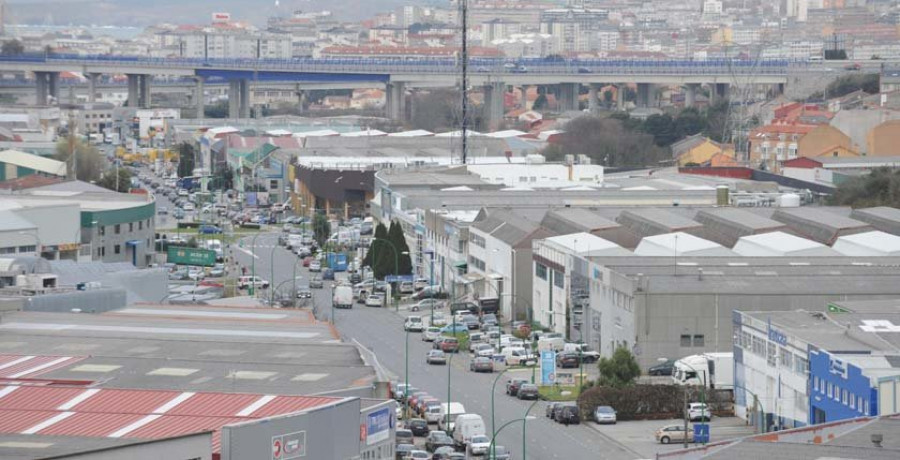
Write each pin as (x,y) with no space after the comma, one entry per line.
(35,162)
(364,133)
(779,244)
(868,244)
(10,221)
(680,244)
(506,133)
(279,132)
(587,244)
(318,133)
(413,133)
(469,133)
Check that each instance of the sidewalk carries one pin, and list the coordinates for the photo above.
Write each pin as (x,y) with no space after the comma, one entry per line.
(637,436)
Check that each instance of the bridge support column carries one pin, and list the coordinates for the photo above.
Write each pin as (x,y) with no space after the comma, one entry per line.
(234,98)
(494,95)
(568,97)
(245,98)
(53,86)
(92,86)
(395,103)
(621,89)
(690,94)
(643,94)
(199,97)
(719,91)
(41,88)
(145,82)
(133,90)
(594,98)
(523,100)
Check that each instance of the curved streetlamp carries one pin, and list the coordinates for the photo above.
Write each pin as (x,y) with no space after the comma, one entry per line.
(702,399)
(526,418)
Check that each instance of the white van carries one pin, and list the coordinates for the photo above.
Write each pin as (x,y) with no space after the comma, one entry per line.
(465,427)
(516,356)
(433,413)
(454,409)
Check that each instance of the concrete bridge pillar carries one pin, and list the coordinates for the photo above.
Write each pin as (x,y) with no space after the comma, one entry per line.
(719,91)
(395,103)
(53,86)
(92,86)
(41,88)
(494,94)
(621,89)
(643,94)
(568,96)
(199,97)
(234,98)
(594,98)
(690,94)
(523,94)
(144,83)
(244,98)
(133,90)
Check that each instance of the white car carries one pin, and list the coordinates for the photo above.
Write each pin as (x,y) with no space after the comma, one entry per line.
(439,320)
(315,266)
(189,207)
(431,334)
(412,324)
(479,445)
(374,300)
(483,350)
(196,274)
(699,412)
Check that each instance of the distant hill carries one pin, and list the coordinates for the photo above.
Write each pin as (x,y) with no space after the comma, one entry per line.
(140,13)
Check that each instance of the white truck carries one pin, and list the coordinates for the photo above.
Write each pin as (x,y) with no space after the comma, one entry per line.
(465,427)
(713,370)
(342,296)
(454,410)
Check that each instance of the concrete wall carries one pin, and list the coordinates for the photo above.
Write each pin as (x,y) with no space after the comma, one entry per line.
(190,447)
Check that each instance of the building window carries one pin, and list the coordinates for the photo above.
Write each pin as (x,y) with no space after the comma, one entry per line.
(118,229)
(859,403)
(558,279)
(103,251)
(829,390)
(685,340)
(866,407)
(787,358)
(130,227)
(837,393)
(477,263)
(801,365)
(759,346)
(477,240)
(29,248)
(541,271)
(844,397)
(140,225)
(8,250)
(117,249)
(852,401)
(699,340)
(771,353)
(816,383)
(101,230)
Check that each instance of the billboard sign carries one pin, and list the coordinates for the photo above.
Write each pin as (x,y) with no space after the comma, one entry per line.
(191,256)
(218,18)
(289,446)
(548,367)
(378,426)
(250,197)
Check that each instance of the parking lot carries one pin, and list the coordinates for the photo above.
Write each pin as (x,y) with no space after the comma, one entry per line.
(637,436)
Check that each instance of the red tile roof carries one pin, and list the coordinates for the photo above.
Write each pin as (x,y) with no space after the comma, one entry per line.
(141,414)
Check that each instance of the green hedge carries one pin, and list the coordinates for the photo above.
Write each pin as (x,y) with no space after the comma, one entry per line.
(651,402)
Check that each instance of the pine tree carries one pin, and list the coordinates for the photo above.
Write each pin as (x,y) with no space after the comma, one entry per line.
(395,234)
(380,233)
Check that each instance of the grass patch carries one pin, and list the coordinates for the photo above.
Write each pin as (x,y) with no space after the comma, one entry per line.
(555,393)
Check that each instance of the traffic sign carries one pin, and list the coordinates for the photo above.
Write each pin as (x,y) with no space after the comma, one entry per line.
(191,256)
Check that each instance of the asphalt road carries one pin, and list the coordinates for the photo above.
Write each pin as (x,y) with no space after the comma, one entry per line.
(382,331)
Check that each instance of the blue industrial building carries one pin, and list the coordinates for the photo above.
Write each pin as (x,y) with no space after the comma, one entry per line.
(794,368)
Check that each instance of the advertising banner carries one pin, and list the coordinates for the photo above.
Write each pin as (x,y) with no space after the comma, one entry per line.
(548,367)
(378,426)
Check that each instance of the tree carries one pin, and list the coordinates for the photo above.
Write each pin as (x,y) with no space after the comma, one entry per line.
(223,179)
(662,128)
(619,371)
(12,48)
(217,110)
(380,234)
(120,182)
(395,234)
(90,162)
(540,102)
(689,122)
(321,228)
(870,83)
(881,187)
(717,120)
(607,141)
(185,159)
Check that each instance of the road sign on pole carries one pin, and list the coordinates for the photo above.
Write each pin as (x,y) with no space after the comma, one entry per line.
(191,256)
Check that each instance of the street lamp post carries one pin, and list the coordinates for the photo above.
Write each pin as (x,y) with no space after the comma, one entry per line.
(272,272)
(524,420)
(406,413)
(702,399)
(294,278)
(449,364)
(253,263)
(493,387)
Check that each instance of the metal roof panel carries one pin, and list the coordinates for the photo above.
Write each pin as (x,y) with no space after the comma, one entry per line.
(214,404)
(90,424)
(114,400)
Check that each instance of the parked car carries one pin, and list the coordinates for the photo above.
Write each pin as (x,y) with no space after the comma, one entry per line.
(479,445)
(217,271)
(245,282)
(210,230)
(512,387)
(436,439)
(454,328)
(699,412)
(403,451)
(316,283)
(499,453)
(674,433)
(443,453)
(406,287)
(426,304)
(403,436)
(430,334)
(665,368)
(567,414)
(605,414)
(483,349)
(418,426)
(438,319)
(450,345)
(481,364)
(418,455)
(528,391)
(551,408)
(436,357)
(567,360)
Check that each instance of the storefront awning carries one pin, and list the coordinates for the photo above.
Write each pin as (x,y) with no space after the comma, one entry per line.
(461,264)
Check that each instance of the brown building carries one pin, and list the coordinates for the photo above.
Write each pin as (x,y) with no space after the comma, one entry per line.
(884,139)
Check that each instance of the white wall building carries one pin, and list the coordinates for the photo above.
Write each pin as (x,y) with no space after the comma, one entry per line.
(539,174)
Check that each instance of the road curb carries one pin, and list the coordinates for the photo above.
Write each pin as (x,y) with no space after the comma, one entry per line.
(613,441)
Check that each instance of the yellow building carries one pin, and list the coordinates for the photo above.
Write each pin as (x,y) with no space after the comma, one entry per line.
(699,150)
(826,140)
(884,139)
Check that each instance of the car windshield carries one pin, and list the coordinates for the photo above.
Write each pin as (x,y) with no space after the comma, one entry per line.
(480,439)
(605,410)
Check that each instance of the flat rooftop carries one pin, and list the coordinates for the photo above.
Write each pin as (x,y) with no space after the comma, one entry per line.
(273,351)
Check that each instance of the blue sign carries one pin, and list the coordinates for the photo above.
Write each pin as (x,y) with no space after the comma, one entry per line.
(776,336)
(398,278)
(251,199)
(548,367)
(701,432)
(378,426)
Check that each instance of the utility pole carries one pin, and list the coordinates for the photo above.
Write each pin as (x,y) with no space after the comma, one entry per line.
(72,145)
(465,78)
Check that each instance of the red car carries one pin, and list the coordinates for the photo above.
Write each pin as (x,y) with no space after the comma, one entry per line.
(450,345)
(307,261)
